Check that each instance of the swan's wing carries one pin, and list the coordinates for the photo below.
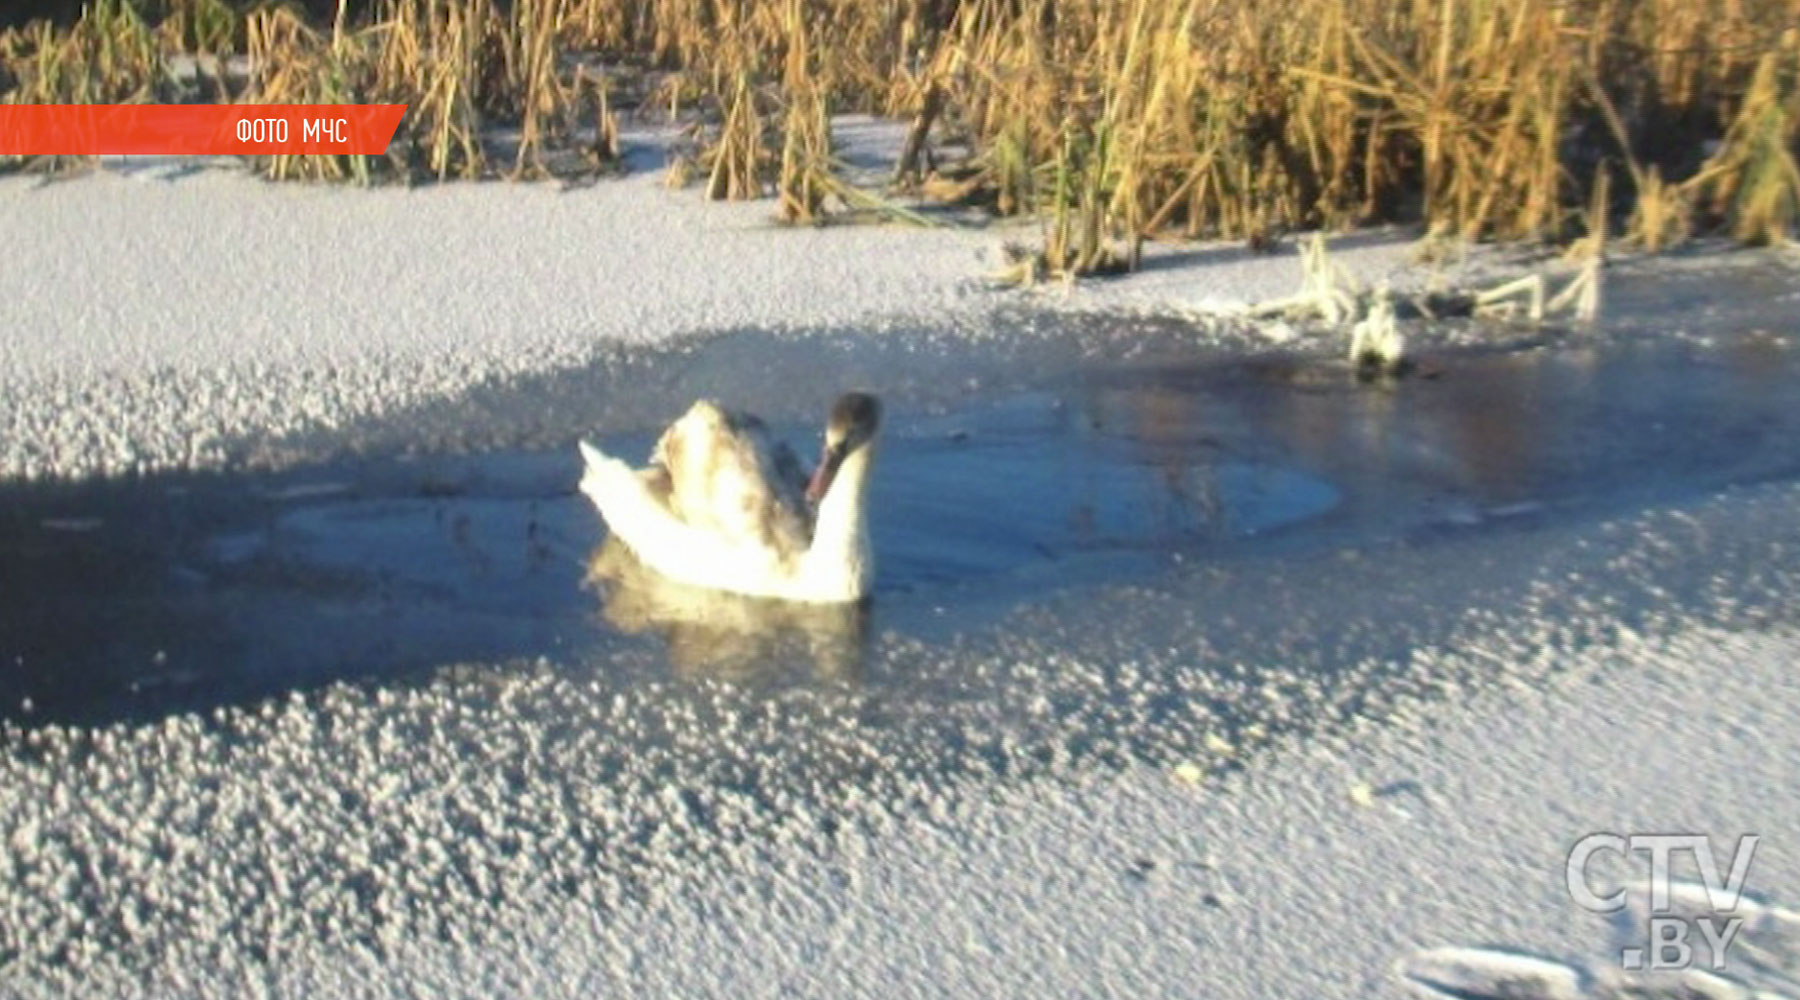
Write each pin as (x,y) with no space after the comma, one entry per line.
(728,477)
(603,476)
(637,507)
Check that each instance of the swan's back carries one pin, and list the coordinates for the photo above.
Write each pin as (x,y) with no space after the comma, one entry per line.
(727,476)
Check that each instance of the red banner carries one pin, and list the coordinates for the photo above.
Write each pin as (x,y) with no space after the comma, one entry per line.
(196,129)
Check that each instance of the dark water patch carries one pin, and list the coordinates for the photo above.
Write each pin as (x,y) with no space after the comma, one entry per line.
(145,596)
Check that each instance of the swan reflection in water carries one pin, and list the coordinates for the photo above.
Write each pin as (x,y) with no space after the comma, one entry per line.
(726,636)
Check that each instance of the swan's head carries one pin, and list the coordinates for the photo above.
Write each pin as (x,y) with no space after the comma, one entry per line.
(855,419)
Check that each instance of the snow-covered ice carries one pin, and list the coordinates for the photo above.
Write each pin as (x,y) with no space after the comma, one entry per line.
(155,319)
(1119,791)
(1336,771)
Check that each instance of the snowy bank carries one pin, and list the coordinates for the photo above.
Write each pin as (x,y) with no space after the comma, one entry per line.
(153,315)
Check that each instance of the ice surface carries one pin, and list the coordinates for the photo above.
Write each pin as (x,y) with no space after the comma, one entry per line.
(1113,788)
(1491,974)
(230,303)
(514,820)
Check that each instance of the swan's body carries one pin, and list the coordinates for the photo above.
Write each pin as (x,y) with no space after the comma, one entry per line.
(723,506)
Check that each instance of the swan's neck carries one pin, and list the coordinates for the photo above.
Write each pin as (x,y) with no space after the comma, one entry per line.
(840,542)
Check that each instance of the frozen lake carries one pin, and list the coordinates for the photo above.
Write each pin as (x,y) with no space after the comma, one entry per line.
(376,696)
(999,482)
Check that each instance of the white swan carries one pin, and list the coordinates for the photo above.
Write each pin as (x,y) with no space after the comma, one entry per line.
(724,507)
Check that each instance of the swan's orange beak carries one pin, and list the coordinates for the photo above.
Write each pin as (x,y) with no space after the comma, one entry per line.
(821,477)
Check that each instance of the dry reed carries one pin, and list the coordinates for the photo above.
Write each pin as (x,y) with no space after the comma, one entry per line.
(1112,120)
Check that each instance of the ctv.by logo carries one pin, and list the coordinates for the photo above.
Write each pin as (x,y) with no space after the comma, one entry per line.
(1668,946)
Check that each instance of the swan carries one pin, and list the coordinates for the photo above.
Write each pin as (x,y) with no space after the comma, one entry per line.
(722,506)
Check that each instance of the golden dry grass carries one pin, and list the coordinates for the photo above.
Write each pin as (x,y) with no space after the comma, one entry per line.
(1111,120)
